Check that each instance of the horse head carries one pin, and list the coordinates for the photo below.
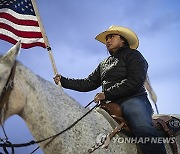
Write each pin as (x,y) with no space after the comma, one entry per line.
(6,63)
(6,68)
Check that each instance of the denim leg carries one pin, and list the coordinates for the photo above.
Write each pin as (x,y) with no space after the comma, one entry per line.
(138,112)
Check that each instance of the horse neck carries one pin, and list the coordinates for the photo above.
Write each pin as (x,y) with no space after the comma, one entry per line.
(38,99)
(47,110)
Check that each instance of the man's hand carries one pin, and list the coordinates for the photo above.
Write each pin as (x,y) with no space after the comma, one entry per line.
(57,78)
(99,97)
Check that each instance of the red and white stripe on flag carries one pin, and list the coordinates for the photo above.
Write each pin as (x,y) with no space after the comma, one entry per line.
(19,22)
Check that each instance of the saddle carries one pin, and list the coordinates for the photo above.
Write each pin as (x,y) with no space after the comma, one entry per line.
(161,122)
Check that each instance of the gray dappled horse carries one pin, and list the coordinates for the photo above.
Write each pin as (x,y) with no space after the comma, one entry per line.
(47,110)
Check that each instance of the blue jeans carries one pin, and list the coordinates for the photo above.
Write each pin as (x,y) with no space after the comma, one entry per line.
(138,112)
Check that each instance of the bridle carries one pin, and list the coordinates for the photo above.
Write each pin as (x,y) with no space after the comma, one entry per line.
(4,98)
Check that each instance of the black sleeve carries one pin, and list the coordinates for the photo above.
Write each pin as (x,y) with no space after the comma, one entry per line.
(92,82)
(136,67)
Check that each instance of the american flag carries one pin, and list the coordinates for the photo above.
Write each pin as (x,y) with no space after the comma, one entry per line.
(19,22)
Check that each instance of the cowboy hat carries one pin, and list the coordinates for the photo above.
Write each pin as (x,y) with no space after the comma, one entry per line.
(128,34)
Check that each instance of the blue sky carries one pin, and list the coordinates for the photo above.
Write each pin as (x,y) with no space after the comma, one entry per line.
(71,27)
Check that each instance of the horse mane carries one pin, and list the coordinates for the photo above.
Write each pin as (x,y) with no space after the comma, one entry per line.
(3,112)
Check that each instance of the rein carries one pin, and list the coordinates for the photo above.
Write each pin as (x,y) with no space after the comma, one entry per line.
(48,138)
(4,98)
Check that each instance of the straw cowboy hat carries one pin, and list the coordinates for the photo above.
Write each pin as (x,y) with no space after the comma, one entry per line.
(128,34)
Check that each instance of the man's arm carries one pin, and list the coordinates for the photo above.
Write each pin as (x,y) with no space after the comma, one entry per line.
(93,81)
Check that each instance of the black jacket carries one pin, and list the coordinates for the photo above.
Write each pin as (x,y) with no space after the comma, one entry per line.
(121,76)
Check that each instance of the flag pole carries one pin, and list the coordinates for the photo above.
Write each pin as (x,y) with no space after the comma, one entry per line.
(48,47)
(153,95)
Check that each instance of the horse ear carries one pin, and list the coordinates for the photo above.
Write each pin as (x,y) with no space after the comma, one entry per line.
(12,53)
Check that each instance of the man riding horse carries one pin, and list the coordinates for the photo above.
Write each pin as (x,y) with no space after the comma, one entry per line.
(122,76)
